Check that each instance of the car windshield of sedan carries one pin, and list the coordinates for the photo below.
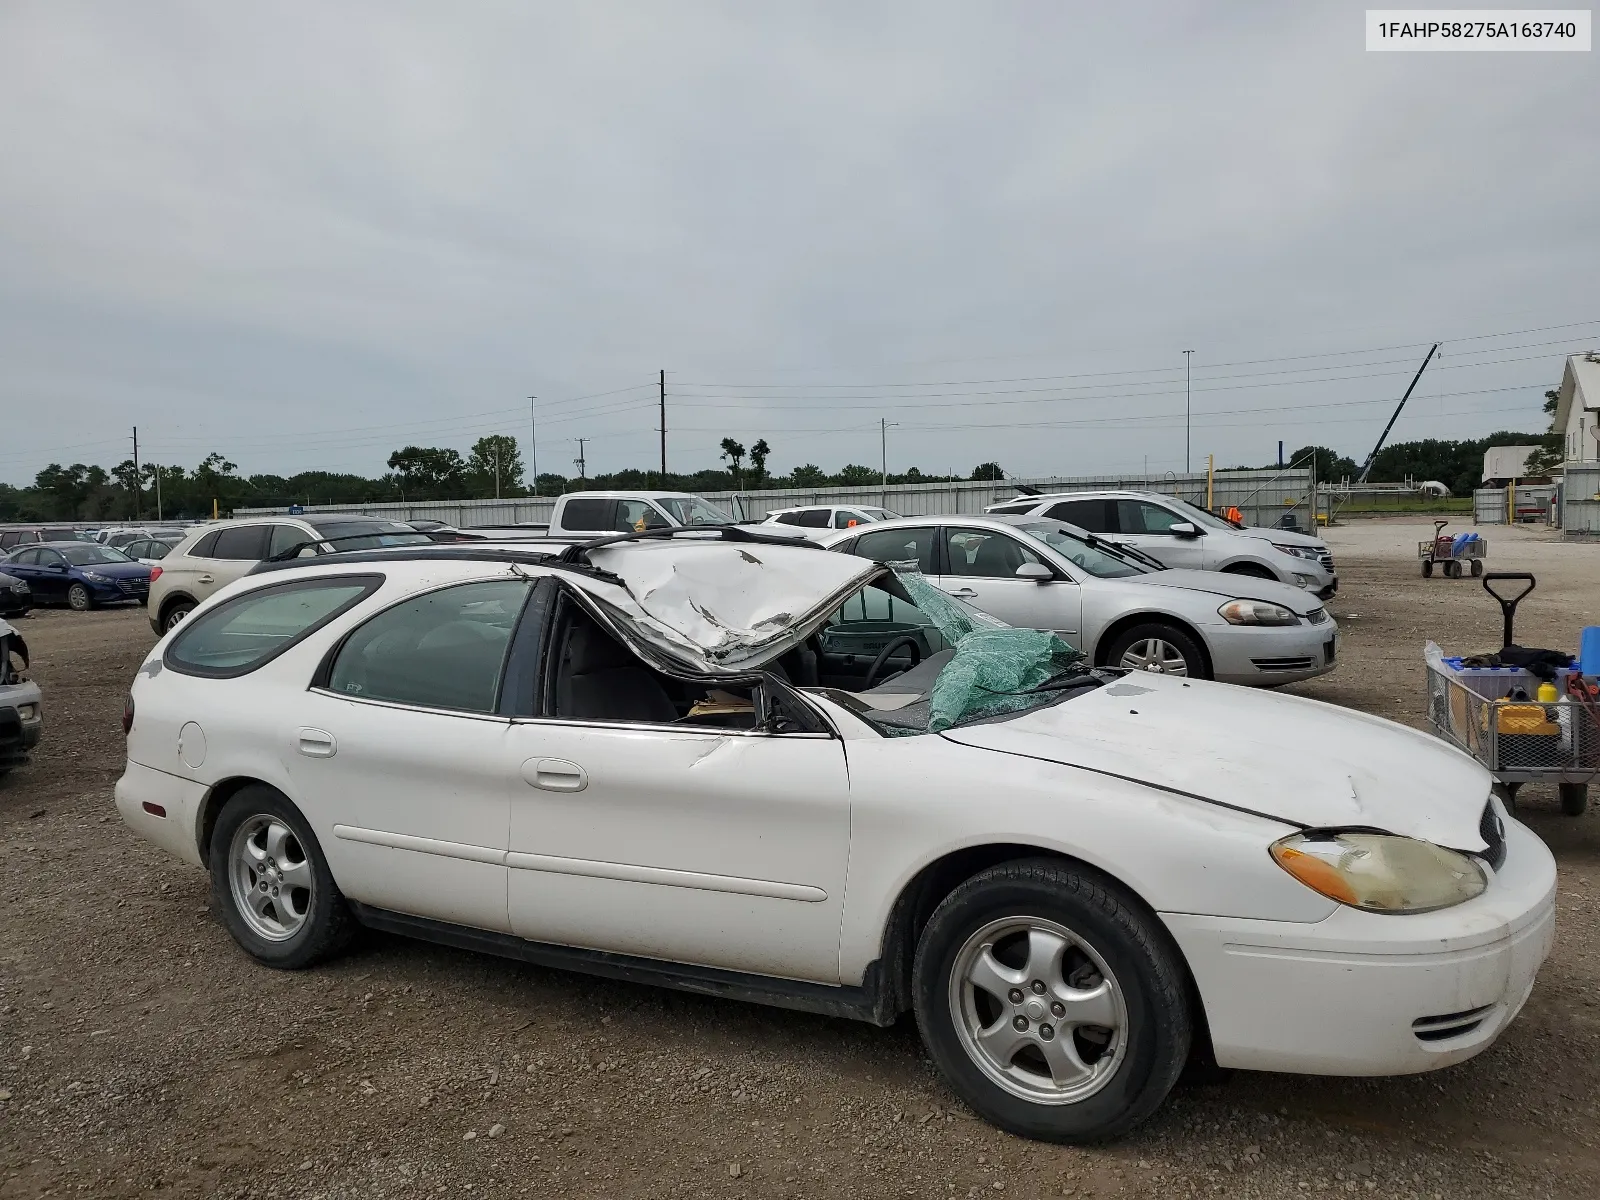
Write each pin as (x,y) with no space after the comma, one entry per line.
(1101,563)
(89,555)
(908,668)
(691,510)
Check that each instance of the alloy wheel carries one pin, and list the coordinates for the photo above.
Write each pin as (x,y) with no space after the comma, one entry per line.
(78,598)
(270,877)
(1038,1010)
(1156,655)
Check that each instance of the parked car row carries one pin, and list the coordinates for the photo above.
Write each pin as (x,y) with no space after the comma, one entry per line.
(78,574)
(740,763)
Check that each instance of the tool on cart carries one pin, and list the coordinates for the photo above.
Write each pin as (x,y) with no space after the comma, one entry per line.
(1528,715)
(1450,551)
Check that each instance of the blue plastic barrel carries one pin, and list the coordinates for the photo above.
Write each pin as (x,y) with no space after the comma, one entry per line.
(1589,651)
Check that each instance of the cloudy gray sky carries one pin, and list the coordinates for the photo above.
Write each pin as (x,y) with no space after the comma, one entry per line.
(305,234)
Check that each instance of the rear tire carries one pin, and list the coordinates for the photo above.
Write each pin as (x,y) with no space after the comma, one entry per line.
(1159,648)
(271,883)
(1427,568)
(176,615)
(1477,567)
(79,599)
(1093,980)
(1574,798)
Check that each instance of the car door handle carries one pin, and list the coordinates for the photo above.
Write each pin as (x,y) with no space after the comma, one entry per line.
(205,579)
(555,775)
(963,594)
(317,743)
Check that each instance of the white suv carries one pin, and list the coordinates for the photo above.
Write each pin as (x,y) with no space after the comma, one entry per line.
(820,520)
(1180,535)
(214,555)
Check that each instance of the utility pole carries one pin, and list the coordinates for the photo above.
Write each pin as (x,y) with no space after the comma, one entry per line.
(158,491)
(533,439)
(138,492)
(663,427)
(579,461)
(1186,356)
(497,470)
(883,465)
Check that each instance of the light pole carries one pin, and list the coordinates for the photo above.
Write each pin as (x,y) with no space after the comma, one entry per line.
(883,462)
(1186,355)
(533,439)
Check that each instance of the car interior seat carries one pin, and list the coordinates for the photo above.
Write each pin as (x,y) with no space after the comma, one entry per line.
(598,679)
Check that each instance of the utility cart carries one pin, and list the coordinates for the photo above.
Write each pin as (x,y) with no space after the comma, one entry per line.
(1494,714)
(1449,553)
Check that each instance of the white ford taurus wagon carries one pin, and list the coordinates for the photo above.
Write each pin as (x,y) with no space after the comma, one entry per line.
(770,772)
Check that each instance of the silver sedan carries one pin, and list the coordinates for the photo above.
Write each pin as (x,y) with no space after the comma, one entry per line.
(1117,606)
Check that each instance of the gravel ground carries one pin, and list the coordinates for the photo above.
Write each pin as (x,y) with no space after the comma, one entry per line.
(142,1054)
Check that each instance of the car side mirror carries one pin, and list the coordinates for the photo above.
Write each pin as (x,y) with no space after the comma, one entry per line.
(1184,529)
(1037,572)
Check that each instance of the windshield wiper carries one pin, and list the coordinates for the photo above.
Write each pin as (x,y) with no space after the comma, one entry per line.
(1129,553)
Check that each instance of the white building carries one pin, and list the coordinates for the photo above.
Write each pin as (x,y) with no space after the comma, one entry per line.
(1502,463)
(1578,408)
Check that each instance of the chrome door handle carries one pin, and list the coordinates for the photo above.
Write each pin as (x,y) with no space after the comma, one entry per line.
(317,743)
(554,775)
(205,579)
(964,594)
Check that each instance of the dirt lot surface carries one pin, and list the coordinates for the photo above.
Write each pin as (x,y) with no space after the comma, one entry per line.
(142,1054)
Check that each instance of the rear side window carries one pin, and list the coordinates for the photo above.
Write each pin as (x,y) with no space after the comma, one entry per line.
(898,545)
(241,542)
(251,630)
(26,558)
(813,518)
(588,515)
(204,547)
(446,649)
(789,518)
(1085,514)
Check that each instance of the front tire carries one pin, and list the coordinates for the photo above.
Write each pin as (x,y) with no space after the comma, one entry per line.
(1574,798)
(272,884)
(1159,649)
(79,599)
(1052,1003)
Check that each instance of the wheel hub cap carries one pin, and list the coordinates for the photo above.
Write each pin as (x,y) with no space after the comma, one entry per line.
(1038,1010)
(270,877)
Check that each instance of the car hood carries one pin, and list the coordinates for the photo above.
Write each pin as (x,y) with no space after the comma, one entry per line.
(1292,759)
(127,570)
(1230,586)
(719,608)
(1284,537)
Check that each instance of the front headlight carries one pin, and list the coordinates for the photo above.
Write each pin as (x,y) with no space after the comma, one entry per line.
(97,577)
(1380,872)
(1256,612)
(1297,551)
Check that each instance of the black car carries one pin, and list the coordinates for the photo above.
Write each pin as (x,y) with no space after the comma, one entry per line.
(16,597)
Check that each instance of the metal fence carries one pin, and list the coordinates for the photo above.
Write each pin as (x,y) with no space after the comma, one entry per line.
(1536,503)
(1580,504)
(1262,498)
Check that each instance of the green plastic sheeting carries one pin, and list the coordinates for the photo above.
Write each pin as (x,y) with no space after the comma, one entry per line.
(995,666)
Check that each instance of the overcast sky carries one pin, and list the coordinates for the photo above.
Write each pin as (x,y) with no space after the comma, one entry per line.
(305,234)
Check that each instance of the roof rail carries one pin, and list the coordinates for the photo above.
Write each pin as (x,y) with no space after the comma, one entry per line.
(575,552)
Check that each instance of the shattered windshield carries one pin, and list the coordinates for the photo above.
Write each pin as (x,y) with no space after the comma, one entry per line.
(923,661)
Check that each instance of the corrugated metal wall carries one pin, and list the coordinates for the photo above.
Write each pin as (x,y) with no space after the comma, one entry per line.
(1580,508)
(1489,504)
(1261,496)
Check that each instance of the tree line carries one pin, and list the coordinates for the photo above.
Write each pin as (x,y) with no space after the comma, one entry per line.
(493,467)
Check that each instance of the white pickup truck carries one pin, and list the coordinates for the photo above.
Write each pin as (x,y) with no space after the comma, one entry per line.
(592,514)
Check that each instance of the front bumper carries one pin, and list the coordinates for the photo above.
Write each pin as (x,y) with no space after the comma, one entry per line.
(118,589)
(1251,654)
(1365,994)
(18,734)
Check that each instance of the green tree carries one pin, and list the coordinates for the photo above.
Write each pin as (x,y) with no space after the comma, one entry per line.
(494,468)
(988,471)
(65,487)
(1330,464)
(855,475)
(734,453)
(429,473)
(808,476)
(758,459)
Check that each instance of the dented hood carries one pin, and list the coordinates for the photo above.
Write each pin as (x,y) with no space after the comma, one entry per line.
(720,607)
(1303,762)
